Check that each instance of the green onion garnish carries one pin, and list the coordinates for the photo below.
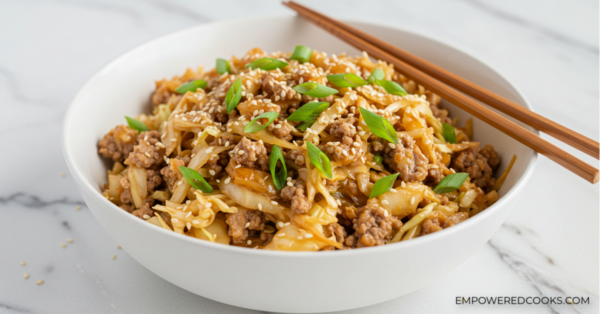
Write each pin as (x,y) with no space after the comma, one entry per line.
(223,66)
(309,111)
(319,159)
(391,87)
(346,80)
(234,94)
(301,53)
(383,185)
(253,126)
(449,134)
(377,159)
(451,182)
(379,125)
(136,124)
(195,179)
(266,64)
(315,90)
(376,76)
(278,178)
(191,86)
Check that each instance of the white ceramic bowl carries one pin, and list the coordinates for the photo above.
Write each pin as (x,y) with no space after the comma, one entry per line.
(266,280)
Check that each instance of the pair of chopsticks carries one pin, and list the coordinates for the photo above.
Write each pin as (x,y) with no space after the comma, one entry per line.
(449,86)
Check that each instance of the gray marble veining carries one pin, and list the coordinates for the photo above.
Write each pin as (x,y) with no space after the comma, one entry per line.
(547,247)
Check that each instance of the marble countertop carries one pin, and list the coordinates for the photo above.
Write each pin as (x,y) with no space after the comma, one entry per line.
(547,247)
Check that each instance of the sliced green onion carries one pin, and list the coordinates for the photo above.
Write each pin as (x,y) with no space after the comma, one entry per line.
(305,125)
(234,94)
(253,126)
(315,90)
(191,86)
(377,159)
(319,159)
(391,87)
(223,66)
(136,124)
(379,125)
(346,80)
(278,178)
(266,64)
(195,179)
(301,53)
(451,182)
(377,75)
(449,133)
(383,185)
(309,111)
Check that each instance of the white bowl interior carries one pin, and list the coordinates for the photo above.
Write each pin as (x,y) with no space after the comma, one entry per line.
(124,87)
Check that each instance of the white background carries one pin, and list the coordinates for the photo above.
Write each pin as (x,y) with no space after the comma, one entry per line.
(547,247)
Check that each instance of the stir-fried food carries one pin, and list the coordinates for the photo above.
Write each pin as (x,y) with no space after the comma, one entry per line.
(298,152)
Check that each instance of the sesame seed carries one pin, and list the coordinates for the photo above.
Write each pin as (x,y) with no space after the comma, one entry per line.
(393,191)
(274,203)
(208,205)
(113,257)
(259,206)
(78,207)
(237,166)
(385,202)
(227,180)
(26,275)
(118,246)
(188,225)
(392,146)
(286,224)
(290,183)
(188,214)
(212,172)
(247,225)
(249,242)
(240,152)
(39,282)
(403,184)
(308,235)
(70,240)
(63,245)
(281,234)
(195,222)
(62,174)
(355,144)
(412,200)
(180,182)
(174,220)
(22,263)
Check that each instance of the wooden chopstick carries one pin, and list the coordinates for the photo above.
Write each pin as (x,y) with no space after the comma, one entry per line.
(490,98)
(483,113)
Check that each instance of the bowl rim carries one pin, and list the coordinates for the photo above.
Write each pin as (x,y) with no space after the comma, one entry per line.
(85,184)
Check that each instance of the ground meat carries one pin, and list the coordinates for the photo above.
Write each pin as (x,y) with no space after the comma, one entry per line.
(296,195)
(244,221)
(161,95)
(274,84)
(455,219)
(171,172)
(431,226)
(407,159)
(377,146)
(153,179)
(338,231)
(251,154)
(473,163)
(491,155)
(372,227)
(297,155)
(144,210)
(348,148)
(146,154)
(281,129)
(128,204)
(218,163)
(118,143)
(435,175)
